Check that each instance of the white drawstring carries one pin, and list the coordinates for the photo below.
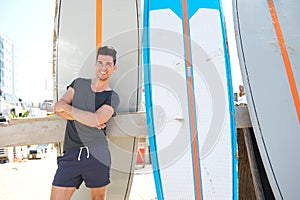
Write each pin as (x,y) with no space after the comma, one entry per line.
(87,150)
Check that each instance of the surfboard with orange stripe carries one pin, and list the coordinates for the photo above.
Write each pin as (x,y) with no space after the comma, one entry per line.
(81,27)
(268,45)
(189,100)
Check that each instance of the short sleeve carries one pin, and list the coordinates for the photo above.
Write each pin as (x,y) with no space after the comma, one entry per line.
(114,101)
(72,84)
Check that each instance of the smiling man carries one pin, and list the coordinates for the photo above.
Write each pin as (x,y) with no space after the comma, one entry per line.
(87,105)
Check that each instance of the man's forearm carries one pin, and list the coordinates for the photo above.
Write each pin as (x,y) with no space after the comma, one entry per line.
(64,115)
(84,117)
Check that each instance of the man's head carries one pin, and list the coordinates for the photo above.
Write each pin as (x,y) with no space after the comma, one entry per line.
(108,51)
(106,62)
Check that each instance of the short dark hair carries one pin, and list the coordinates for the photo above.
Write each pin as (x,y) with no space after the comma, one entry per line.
(108,51)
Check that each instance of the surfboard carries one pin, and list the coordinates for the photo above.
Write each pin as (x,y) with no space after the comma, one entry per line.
(268,45)
(189,100)
(81,27)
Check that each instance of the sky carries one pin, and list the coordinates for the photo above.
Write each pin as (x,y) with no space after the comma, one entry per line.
(29,24)
(235,67)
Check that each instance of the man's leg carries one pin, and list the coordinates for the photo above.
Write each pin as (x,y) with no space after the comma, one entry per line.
(61,193)
(98,193)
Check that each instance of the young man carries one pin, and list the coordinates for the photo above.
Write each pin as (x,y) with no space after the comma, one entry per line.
(87,105)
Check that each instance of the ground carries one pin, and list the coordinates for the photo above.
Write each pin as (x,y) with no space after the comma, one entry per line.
(31,179)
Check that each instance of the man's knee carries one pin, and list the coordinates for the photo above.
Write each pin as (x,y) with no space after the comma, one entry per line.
(98,193)
(61,192)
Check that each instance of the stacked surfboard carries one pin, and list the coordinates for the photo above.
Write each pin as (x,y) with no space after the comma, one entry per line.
(81,27)
(189,102)
(268,41)
(188,89)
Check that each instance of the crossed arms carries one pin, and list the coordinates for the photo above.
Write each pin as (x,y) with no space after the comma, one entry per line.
(97,119)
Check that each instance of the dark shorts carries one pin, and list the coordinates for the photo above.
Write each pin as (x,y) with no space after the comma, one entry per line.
(91,165)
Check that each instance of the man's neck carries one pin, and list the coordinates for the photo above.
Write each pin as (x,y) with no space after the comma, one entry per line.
(100,85)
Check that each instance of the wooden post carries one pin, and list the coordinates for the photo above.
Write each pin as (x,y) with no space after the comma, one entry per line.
(246,188)
(253,166)
(251,171)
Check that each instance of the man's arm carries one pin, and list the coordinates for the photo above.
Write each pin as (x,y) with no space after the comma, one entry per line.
(64,115)
(98,119)
(67,98)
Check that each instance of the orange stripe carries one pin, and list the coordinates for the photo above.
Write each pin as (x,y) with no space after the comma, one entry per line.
(285,57)
(194,142)
(98,23)
(186,34)
(195,151)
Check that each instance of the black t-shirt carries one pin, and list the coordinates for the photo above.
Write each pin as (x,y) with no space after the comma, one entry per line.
(78,134)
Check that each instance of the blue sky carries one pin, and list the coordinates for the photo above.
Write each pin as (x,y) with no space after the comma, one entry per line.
(29,24)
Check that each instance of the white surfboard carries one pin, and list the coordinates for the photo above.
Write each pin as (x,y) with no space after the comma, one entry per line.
(81,27)
(268,45)
(189,100)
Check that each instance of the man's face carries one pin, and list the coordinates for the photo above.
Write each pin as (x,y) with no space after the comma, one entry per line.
(104,67)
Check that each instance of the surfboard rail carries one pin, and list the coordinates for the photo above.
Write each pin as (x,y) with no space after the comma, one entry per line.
(266,45)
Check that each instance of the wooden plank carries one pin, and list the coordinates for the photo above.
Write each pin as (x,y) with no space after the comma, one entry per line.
(246,188)
(259,192)
(28,131)
(32,131)
(242,117)
(25,131)
(130,124)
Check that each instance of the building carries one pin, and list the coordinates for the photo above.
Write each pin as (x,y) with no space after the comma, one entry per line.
(7,68)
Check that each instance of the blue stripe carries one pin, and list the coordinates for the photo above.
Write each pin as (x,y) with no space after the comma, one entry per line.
(231,110)
(149,103)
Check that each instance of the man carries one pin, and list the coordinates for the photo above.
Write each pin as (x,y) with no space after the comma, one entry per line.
(242,97)
(87,105)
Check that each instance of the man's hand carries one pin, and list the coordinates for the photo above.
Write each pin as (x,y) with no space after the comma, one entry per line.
(59,109)
(102,126)
(60,106)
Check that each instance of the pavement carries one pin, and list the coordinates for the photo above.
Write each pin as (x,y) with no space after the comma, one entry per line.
(31,180)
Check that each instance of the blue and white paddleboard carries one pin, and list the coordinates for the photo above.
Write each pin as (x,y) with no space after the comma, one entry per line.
(189,100)
(268,41)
